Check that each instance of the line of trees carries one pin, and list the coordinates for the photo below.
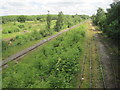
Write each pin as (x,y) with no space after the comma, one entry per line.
(109,22)
(41,18)
(64,21)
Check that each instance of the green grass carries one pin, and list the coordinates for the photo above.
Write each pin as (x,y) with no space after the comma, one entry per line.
(29,26)
(14,49)
(56,64)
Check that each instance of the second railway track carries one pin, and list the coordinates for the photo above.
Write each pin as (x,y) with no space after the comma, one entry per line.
(100,65)
(111,63)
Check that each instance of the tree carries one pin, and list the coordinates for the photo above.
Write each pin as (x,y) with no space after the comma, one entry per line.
(99,18)
(109,22)
(59,22)
(48,20)
(112,28)
(21,18)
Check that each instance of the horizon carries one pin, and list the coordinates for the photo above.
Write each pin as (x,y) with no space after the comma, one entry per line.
(44,14)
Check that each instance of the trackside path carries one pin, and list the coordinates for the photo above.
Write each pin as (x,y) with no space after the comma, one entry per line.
(23,52)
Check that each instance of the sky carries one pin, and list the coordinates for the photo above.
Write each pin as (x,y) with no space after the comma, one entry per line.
(38,7)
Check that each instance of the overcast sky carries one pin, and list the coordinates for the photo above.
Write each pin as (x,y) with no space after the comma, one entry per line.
(36,7)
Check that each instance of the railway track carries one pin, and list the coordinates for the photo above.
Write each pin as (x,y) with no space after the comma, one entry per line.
(83,64)
(85,60)
(100,65)
(91,63)
(20,54)
(89,45)
(112,64)
(114,71)
(88,58)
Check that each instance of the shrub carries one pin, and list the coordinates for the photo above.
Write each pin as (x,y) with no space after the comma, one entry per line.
(21,26)
(16,29)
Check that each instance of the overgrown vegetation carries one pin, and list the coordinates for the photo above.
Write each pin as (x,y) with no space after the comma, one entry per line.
(60,22)
(109,22)
(21,19)
(21,34)
(54,65)
(48,20)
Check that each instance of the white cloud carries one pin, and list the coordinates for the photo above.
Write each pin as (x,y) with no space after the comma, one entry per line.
(32,7)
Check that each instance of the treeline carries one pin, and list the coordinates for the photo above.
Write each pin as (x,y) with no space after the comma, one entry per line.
(65,21)
(109,22)
(15,18)
(62,21)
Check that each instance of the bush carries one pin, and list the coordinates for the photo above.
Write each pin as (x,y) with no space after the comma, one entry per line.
(5,31)
(21,18)
(21,26)
(16,29)
(4,45)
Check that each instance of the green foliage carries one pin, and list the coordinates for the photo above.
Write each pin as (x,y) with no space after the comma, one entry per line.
(60,22)
(21,19)
(31,31)
(112,28)
(109,22)
(54,65)
(99,19)
(6,19)
(5,44)
(10,30)
(21,26)
(48,21)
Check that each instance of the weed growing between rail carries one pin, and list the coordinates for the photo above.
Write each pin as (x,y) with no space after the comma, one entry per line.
(54,65)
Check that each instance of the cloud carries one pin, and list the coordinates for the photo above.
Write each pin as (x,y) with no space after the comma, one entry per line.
(34,7)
